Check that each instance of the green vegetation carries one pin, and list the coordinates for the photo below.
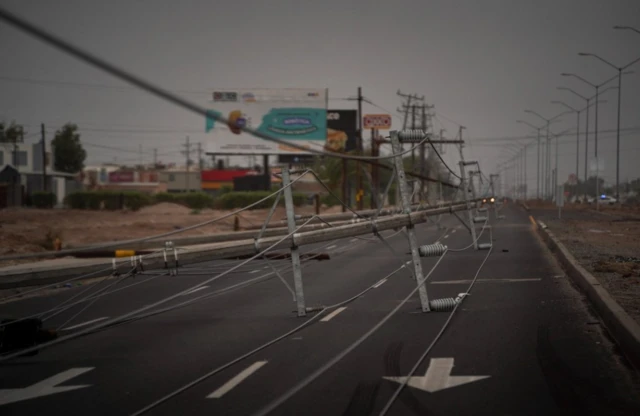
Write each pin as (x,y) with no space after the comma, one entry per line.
(43,199)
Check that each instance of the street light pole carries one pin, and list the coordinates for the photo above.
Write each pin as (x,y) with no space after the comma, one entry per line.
(597,87)
(619,69)
(538,162)
(547,180)
(577,132)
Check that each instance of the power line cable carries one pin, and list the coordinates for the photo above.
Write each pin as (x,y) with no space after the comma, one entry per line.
(164,94)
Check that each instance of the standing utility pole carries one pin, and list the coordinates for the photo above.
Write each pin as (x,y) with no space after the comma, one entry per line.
(155,158)
(199,150)
(187,154)
(44,159)
(360,152)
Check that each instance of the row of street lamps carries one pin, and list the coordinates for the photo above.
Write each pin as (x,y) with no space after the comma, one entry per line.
(547,189)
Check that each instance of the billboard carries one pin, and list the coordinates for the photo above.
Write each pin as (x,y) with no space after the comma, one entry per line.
(292,114)
(342,130)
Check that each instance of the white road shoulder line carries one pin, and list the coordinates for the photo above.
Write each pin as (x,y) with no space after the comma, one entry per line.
(333,314)
(85,323)
(229,385)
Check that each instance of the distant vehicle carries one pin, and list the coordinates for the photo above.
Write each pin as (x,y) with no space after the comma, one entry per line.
(608,200)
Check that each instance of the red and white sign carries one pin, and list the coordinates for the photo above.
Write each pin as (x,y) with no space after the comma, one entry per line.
(376,121)
(121,176)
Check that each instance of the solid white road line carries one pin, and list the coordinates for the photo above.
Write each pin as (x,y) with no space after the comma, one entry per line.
(254,271)
(380,283)
(85,323)
(459,282)
(332,314)
(331,247)
(229,385)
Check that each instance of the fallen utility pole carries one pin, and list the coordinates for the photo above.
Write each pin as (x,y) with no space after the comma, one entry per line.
(34,274)
(273,229)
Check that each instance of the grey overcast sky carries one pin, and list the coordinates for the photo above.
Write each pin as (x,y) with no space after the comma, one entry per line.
(481,63)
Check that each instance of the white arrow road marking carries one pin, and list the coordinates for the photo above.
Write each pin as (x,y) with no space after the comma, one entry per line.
(43,388)
(438,377)
(226,387)
(332,314)
(85,323)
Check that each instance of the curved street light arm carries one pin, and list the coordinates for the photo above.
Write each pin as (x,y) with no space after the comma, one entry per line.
(529,124)
(627,28)
(570,90)
(566,105)
(536,114)
(564,74)
(601,59)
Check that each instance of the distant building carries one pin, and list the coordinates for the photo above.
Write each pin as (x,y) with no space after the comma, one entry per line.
(215,179)
(34,167)
(179,180)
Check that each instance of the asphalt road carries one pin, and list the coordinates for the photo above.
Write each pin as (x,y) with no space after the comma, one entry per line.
(524,333)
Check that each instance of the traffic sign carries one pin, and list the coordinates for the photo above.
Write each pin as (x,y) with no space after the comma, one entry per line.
(376,121)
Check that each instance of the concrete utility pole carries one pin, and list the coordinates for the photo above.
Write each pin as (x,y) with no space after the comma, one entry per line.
(44,159)
(199,150)
(187,154)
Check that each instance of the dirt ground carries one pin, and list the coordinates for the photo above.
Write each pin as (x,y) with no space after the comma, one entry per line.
(607,243)
(26,230)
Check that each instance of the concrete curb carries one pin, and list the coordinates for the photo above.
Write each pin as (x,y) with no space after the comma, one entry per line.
(622,327)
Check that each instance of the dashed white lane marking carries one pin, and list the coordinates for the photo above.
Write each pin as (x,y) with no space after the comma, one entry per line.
(333,314)
(195,290)
(85,323)
(254,271)
(331,247)
(446,236)
(353,240)
(454,230)
(380,283)
(229,385)
(458,282)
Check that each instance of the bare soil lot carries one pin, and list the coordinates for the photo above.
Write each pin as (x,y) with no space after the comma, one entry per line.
(34,230)
(607,243)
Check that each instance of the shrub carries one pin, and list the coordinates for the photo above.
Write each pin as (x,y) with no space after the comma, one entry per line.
(111,200)
(164,197)
(195,200)
(329,200)
(136,200)
(233,200)
(43,199)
